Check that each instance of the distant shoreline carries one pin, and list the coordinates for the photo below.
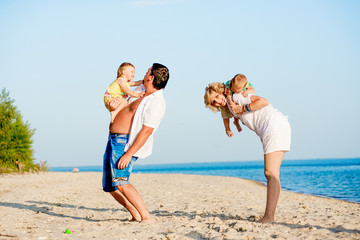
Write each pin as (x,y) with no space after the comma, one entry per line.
(287,161)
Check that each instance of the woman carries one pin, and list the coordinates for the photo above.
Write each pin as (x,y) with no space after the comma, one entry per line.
(269,124)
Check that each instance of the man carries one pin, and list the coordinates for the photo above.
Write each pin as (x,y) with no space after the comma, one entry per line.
(131,137)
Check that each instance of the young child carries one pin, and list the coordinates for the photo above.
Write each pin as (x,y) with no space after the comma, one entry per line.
(238,84)
(120,88)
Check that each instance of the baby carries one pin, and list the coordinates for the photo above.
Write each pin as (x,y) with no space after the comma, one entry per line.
(238,84)
(119,90)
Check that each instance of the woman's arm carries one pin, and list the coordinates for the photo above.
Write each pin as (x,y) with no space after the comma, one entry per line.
(256,103)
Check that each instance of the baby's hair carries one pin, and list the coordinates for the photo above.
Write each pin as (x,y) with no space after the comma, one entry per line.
(239,77)
(122,67)
(213,87)
(239,81)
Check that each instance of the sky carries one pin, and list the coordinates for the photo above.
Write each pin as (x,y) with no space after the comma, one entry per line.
(58,57)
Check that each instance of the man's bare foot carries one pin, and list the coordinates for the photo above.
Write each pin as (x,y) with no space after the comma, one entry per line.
(150,220)
(267,219)
(135,220)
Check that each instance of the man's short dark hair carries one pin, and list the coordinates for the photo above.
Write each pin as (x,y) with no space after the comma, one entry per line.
(161,75)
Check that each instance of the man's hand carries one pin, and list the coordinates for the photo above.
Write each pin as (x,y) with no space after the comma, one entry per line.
(114,104)
(124,161)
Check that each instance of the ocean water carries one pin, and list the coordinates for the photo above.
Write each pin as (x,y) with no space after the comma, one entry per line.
(331,178)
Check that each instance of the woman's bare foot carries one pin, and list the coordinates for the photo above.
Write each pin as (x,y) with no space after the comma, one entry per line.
(266,219)
(150,220)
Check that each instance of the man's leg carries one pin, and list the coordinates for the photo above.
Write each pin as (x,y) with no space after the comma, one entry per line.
(135,199)
(108,177)
(125,202)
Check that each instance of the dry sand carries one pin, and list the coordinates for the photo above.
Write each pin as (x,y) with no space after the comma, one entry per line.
(43,206)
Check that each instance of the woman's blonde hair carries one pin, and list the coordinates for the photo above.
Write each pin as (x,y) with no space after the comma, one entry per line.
(122,68)
(213,87)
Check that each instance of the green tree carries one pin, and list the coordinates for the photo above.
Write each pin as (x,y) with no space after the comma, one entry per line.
(15,137)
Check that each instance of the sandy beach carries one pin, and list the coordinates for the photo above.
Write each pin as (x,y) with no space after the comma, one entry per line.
(45,205)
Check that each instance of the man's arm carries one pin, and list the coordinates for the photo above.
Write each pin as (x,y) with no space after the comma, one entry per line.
(140,140)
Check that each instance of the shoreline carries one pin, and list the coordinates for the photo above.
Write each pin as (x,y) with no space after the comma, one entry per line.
(331,183)
(253,181)
(44,205)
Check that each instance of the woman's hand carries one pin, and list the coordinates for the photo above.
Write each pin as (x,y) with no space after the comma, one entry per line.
(237,109)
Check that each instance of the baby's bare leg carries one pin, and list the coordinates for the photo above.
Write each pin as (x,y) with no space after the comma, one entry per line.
(237,124)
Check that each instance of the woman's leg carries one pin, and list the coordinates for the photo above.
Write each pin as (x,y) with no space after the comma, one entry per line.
(272,162)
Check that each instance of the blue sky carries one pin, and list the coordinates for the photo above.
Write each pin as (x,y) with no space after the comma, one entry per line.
(58,57)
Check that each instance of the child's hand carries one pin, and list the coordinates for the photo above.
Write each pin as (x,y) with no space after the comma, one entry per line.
(140,94)
(245,93)
(229,133)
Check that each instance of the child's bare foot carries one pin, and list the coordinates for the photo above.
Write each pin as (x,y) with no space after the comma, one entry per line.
(150,220)
(267,219)
(229,133)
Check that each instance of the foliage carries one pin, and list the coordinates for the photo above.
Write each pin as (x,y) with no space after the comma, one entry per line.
(15,138)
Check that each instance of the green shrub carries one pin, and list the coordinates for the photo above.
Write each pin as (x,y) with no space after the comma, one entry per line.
(16,153)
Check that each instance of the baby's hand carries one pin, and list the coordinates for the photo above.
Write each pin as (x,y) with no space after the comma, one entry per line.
(141,94)
(229,133)
(245,93)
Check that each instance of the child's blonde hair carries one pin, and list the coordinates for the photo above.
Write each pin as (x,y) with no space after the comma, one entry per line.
(213,87)
(238,81)
(122,68)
